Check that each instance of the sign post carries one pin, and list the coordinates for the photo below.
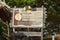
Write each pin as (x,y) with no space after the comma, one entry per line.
(53,37)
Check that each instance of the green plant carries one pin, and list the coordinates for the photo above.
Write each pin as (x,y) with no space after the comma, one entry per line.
(20,3)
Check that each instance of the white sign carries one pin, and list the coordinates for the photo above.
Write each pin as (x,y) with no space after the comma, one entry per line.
(33,19)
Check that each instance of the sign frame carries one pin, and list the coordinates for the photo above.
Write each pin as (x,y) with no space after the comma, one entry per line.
(24,26)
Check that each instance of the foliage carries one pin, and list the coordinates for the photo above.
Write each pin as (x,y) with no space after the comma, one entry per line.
(53,15)
(52,10)
(2,30)
(20,3)
(5,16)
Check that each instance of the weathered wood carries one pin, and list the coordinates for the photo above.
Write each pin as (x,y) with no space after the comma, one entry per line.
(29,33)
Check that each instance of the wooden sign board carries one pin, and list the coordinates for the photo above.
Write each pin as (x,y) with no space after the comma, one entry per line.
(21,18)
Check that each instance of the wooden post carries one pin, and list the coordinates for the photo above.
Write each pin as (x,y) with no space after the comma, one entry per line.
(8,31)
(13,29)
(41,33)
(28,29)
(53,37)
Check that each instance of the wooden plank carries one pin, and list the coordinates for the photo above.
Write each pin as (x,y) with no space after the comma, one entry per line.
(30,33)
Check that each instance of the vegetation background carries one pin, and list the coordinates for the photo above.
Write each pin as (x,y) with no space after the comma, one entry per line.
(53,14)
